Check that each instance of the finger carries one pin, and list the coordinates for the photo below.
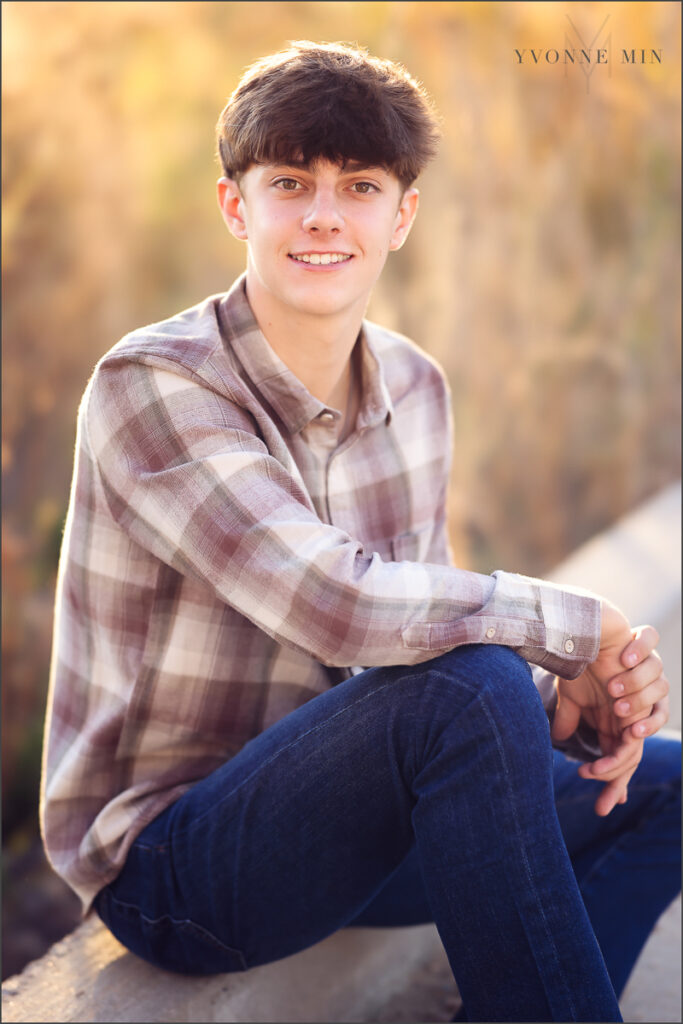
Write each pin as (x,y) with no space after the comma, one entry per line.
(613,793)
(655,721)
(645,639)
(597,770)
(631,708)
(606,769)
(636,678)
(598,773)
(625,758)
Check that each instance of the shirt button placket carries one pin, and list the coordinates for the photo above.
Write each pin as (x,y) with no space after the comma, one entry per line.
(339,508)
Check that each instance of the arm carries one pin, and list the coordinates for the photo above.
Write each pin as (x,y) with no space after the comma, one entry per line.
(186,473)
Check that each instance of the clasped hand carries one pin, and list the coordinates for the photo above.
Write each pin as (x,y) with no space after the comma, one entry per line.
(623,695)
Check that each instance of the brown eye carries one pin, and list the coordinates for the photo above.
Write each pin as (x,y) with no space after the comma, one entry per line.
(288,184)
(365,187)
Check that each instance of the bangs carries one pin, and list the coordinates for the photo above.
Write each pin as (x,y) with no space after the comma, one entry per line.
(336,129)
(328,104)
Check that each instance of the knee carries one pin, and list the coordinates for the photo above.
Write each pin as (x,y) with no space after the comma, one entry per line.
(492,667)
(483,700)
(500,682)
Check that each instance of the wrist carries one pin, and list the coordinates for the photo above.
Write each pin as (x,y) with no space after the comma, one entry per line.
(614,626)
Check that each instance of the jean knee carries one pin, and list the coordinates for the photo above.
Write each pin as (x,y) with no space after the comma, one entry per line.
(503,680)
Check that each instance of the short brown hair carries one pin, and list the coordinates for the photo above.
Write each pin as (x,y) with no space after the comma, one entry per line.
(328,101)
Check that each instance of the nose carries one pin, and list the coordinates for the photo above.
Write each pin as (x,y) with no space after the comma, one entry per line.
(323,213)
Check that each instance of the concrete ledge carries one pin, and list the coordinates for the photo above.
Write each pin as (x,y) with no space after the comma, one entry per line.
(89,976)
(367,974)
(637,562)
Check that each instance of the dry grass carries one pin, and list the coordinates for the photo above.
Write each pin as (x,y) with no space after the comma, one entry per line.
(543,271)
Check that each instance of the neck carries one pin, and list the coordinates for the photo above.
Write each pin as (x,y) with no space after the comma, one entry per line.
(317,349)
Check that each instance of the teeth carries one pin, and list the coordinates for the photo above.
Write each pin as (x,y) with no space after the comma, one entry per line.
(323,258)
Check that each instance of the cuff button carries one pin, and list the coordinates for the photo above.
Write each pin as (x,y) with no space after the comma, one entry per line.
(490,632)
(569,646)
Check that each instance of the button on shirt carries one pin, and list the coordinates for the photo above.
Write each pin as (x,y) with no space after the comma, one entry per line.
(226,559)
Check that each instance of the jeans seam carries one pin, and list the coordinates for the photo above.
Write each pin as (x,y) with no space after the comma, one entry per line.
(522,846)
(176,923)
(259,768)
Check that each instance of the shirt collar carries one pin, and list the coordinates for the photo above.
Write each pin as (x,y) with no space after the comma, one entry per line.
(283,391)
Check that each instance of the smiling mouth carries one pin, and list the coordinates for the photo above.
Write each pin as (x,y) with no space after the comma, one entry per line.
(320,258)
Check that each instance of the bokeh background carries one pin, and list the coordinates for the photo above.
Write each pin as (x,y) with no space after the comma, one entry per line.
(543,272)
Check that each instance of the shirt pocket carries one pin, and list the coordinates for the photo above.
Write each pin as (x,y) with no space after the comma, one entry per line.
(411,546)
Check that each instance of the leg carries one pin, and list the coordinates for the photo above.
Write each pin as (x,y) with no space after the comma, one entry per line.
(628,865)
(295,836)
(402,901)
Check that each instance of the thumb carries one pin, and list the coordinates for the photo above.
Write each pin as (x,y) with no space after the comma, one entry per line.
(566,720)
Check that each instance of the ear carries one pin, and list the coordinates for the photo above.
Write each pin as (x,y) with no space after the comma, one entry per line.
(404,218)
(231,203)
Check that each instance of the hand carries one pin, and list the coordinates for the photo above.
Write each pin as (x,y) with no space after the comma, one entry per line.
(591,696)
(641,692)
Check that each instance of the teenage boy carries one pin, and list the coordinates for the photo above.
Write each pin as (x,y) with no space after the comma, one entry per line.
(258,519)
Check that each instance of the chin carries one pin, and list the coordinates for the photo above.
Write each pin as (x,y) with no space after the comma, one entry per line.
(322,308)
(321,304)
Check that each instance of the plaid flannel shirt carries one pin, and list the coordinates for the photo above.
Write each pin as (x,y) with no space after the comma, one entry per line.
(226,560)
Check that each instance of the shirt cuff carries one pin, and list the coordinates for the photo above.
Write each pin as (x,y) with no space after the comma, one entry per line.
(558,626)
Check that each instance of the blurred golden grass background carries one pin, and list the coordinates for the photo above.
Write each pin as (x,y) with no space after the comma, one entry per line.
(543,270)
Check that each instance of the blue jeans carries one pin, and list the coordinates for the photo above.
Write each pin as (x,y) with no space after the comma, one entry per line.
(409,794)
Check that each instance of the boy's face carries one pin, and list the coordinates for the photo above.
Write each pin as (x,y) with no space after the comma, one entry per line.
(318,235)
